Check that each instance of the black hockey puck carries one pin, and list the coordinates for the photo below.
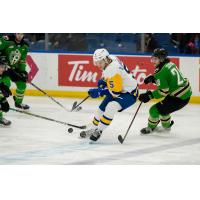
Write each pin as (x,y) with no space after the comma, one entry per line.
(70,130)
(83,134)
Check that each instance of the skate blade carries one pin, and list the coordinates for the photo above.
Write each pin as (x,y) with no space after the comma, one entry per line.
(74,105)
(21,109)
(92,142)
(5,126)
(82,138)
(78,109)
(162,130)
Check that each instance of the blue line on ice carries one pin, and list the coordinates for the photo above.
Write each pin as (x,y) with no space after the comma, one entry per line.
(44,153)
(135,153)
(64,149)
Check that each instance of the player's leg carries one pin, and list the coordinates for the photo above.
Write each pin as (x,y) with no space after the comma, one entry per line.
(116,105)
(4,106)
(168,106)
(161,111)
(111,109)
(165,121)
(6,80)
(153,120)
(101,110)
(98,115)
(19,95)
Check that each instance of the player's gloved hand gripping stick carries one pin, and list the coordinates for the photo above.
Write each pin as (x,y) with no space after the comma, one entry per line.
(101,85)
(147,96)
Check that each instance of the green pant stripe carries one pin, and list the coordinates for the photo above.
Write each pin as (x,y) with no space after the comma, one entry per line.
(19,95)
(165,120)
(153,122)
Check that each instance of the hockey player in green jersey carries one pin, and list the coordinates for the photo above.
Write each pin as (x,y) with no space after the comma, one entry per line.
(171,85)
(4,93)
(15,49)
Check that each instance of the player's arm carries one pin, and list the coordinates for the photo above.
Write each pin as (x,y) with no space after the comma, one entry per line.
(162,85)
(162,89)
(21,67)
(3,43)
(22,62)
(114,87)
(4,91)
(102,83)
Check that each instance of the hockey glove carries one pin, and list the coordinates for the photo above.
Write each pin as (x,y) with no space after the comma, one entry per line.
(4,105)
(17,75)
(101,84)
(149,79)
(5,90)
(23,75)
(146,97)
(98,92)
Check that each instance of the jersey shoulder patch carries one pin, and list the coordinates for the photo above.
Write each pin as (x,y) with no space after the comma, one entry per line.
(5,37)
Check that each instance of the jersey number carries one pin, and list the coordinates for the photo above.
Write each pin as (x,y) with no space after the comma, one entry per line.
(111,83)
(179,76)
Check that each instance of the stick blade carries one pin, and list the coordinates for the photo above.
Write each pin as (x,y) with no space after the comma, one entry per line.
(74,105)
(78,109)
(83,127)
(121,140)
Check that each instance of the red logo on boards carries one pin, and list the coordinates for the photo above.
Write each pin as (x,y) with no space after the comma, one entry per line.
(78,70)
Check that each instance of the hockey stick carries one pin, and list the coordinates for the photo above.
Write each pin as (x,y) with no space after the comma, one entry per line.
(35,86)
(120,138)
(75,105)
(49,119)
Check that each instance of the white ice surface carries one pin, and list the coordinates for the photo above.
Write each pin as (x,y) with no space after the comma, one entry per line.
(31,140)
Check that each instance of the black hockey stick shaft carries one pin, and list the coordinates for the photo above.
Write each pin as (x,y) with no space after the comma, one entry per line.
(35,86)
(46,118)
(120,137)
(80,103)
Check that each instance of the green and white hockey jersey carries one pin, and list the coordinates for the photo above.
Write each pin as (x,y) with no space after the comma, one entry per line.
(170,81)
(15,53)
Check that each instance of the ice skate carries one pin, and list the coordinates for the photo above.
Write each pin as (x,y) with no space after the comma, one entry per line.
(96,135)
(86,134)
(21,106)
(4,122)
(146,130)
(161,129)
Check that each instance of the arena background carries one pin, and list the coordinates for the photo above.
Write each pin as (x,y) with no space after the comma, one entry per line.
(61,64)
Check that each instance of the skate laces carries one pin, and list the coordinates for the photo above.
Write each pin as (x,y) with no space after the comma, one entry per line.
(97,132)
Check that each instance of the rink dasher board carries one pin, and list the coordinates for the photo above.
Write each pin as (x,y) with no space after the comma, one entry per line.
(73,82)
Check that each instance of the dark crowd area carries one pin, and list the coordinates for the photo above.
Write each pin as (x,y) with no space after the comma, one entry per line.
(175,43)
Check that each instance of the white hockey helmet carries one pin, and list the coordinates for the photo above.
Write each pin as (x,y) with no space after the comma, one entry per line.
(100,54)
